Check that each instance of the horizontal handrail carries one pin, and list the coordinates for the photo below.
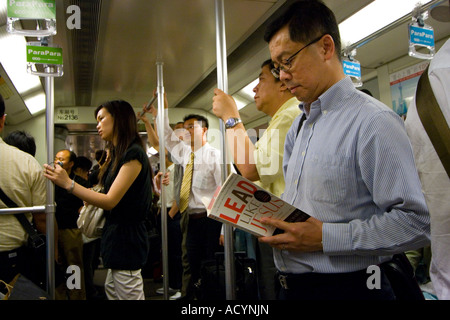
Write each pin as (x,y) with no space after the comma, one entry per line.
(34,209)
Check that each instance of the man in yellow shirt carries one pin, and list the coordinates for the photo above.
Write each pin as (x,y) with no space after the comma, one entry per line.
(261,162)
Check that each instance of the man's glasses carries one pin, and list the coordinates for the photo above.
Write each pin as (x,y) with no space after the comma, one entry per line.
(286,65)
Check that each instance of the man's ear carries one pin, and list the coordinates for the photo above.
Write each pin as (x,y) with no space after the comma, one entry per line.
(328,47)
(283,86)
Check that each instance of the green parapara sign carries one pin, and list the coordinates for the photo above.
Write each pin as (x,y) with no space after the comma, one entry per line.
(32,9)
(44,55)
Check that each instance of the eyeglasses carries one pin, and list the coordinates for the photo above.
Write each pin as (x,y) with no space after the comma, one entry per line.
(286,65)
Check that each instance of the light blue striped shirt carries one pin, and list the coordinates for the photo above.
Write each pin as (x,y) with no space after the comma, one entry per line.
(352,168)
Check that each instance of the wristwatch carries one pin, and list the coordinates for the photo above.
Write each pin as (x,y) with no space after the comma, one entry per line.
(232,122)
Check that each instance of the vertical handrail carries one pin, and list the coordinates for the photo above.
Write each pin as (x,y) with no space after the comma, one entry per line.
(222,82)
(162,167)
(50,201)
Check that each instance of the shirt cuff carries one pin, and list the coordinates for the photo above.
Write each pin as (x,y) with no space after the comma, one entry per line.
(336,238)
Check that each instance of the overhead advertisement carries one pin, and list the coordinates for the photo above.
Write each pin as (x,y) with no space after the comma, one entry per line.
(32,9)
(403,87)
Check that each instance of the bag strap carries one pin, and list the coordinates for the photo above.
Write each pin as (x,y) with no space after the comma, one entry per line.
(36,240)
(433,120)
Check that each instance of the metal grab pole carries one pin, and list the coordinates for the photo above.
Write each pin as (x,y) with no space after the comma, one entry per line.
(50,203)
(222,81)
(35,209)
(162,162)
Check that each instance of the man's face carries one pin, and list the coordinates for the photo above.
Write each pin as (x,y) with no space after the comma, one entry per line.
(194,132)
(64,157)
(303,77)
(266,91)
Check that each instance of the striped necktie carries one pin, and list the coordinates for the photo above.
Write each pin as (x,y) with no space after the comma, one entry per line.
(186,184)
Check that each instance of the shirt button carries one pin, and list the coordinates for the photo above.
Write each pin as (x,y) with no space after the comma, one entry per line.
(303,153)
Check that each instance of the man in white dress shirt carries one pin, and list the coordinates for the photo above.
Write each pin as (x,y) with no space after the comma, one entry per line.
(435,180)
(203,233)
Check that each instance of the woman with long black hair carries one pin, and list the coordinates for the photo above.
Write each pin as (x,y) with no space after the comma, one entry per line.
(126,199)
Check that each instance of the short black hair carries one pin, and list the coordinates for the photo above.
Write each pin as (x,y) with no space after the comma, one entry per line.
(270,64)
(205,123)
(82,162)
(307,20)
(22,140)
(2,106)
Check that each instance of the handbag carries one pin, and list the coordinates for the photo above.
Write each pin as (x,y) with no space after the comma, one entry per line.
(92,219)
(21,288)
(400,274)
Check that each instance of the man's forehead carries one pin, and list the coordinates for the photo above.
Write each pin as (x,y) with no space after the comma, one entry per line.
(191,121)
(280,44)
(63,154)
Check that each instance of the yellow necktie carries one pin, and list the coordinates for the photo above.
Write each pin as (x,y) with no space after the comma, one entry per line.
(186,184)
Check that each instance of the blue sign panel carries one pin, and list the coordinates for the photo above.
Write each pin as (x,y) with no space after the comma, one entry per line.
(352,68)
(421,36)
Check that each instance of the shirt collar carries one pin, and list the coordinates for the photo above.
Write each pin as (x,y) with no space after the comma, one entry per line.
(291,102)
(331,98)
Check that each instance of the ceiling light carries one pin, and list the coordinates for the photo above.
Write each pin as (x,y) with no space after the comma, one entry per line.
(247,91)
(35,102)
(240,101)
(245,96)
(374,17)
(14,61)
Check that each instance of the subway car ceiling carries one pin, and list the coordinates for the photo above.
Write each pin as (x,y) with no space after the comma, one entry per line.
(113,54)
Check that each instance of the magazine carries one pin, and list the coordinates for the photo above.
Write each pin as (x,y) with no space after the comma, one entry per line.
(242,204)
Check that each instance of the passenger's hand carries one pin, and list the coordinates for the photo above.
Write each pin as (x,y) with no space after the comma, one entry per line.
(144,116)
(224,106)
(172,212)
(153,111)
(166,179)
(166,103)
(58,176)
(298,236)
(158,179)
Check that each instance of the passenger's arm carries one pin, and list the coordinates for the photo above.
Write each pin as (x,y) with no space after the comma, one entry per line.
(239,142)
(152,134)
(125,178)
